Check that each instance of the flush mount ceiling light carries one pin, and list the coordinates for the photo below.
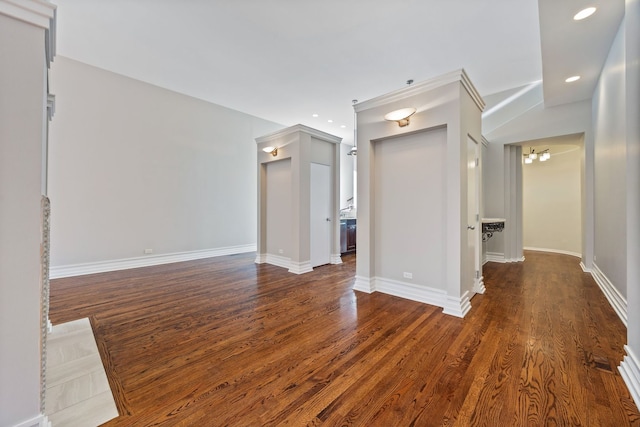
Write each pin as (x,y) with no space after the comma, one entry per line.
(584,13)
(271,150)
(401,116)
(572,79)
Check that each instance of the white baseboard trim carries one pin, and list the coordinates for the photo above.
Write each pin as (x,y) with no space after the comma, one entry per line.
(478,286)
(584,267)
(453,306)
(521,259)
(336,259)
(617,301)
(495,257)
(457,306)
(412,291)
(630,370)
(300,267)
(277,260)
(39,421)
(555,251)
(364,284)
(261,258)
(57,272)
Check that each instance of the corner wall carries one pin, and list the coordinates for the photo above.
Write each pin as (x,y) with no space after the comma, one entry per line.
(134,167)
(23,101)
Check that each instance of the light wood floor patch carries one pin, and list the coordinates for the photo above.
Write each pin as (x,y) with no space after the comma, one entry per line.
(78,393)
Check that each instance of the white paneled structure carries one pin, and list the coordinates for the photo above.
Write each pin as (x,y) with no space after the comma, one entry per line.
(413,234)
(284,196)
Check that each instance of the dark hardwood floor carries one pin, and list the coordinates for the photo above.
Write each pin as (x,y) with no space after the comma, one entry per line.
(224,341)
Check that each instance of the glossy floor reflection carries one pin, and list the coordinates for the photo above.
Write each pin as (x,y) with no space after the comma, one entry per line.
(78,393)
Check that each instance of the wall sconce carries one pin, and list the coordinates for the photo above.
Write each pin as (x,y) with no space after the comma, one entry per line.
(401,116)
(271,150)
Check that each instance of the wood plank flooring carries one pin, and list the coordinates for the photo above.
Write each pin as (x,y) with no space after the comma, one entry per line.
(226,342)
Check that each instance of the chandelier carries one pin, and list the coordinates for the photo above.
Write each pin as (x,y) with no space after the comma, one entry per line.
(543,156)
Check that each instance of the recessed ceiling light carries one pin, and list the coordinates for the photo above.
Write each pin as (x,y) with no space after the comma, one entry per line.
(314,115)
(572,79)
(342,126)
(330,121)
(584,13)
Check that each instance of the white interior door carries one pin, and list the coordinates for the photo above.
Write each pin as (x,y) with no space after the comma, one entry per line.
(320,205)
(473,220)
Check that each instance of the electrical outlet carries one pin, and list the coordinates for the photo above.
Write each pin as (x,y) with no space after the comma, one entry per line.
(148,251)
(407,275)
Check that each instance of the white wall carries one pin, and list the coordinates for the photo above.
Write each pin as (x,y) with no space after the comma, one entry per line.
(616,108)
(552,201)
(632,91)
(609,103)
(410,208)
(135,166)
(22,118)
(278,201)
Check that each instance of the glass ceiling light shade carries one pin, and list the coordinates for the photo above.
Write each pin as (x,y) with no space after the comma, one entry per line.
(401,116)
(584,13)
(529,157)
(271,150)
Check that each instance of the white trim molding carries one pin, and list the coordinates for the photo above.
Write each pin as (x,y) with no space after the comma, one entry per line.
(298,128)
(453,306)
(495,257)
(584,267)
(300,267)
(411,291)
(277,260)
(555,251)
(424,86)
(630,370)
(336,259)
(39,421)
(364,284)
(478,286)
(615,298)
(457,306)
(146,261)
(35,12)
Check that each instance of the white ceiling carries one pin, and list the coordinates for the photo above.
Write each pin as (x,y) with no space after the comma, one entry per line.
(285,60)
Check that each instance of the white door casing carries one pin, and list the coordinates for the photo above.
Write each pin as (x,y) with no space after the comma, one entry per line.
(473,217)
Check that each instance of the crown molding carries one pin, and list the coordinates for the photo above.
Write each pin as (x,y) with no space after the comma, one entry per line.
(299,128)
(36,12)
(424,86)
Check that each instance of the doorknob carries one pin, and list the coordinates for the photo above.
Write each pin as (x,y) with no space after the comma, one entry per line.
(471,227)
(328,219)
